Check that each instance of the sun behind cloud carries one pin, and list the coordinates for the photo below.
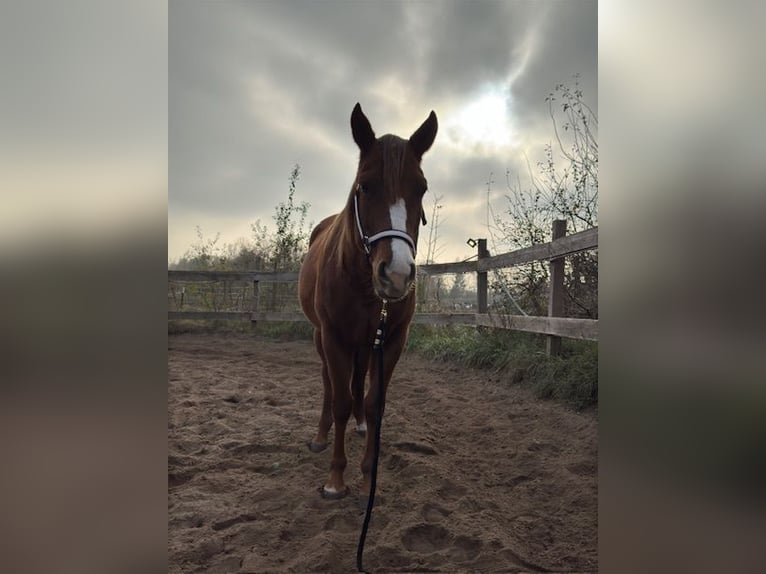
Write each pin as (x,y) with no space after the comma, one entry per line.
(483,122)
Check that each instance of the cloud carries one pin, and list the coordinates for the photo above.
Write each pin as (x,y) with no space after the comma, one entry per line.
(256,87)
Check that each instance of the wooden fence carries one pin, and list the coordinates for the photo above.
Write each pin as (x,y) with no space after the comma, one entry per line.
(554,325)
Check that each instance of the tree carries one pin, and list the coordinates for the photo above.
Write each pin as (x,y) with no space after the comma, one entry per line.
(457,291)
(565,186)
(433,249)
(280,250)
(430,286)
(202,255)
(291,238)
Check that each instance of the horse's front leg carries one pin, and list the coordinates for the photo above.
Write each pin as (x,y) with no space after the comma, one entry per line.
(361,360)
(391,353)
(339,366)
(325,420)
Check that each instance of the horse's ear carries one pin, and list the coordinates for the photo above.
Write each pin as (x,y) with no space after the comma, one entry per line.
(424,136)
(361,129)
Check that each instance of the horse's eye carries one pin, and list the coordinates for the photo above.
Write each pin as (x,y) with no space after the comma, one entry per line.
(364,188)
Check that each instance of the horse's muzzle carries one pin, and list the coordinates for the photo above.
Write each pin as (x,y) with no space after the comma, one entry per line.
(391,285)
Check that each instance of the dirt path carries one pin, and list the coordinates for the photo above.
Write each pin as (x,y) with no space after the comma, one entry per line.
(475,475)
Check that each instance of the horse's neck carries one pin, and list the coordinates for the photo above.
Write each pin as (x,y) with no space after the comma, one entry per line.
(348,250)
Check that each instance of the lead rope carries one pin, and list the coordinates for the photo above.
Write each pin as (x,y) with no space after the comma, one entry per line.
(377,346)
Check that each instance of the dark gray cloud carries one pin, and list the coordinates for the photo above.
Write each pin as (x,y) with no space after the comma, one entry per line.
(255,87)
(566,44)
(471,43)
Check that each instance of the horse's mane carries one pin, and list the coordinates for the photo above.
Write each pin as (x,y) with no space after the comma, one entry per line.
(394,154)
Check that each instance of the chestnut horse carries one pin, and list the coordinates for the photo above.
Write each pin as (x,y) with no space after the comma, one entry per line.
(356,260)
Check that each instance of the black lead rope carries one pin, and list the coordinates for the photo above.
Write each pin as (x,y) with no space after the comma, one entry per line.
(377,346)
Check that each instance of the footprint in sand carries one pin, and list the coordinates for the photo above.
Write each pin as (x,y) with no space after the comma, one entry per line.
(543,447)
(227,564)
(583,467)
(434,512)
(180,477)
(341,523)
(416,447)
(396,462)
(187,520)
(464,548)
(425,538)
(451,491)
(229,522)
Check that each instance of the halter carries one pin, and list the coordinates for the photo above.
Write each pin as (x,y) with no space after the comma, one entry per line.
(367,241)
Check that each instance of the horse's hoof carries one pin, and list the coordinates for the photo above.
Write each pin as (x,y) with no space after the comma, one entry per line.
(361,432)
(316,446)
(332,494)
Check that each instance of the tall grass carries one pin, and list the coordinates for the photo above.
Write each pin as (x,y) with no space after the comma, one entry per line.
(571,378)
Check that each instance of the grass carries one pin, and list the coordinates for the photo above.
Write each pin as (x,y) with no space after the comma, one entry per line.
(571,378)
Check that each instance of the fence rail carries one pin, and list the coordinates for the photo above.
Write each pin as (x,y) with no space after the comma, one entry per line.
(554,326)
(265,276)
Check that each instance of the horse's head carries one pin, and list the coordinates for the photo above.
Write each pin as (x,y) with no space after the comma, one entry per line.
(388,201)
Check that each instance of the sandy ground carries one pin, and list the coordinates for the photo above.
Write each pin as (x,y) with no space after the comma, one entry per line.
(476,475)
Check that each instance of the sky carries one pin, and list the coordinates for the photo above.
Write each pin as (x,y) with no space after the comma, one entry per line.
(257,87)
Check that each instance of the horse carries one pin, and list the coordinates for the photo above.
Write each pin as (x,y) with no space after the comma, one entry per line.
(357,260)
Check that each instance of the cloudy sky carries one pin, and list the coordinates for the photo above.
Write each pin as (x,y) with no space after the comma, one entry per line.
(256,87)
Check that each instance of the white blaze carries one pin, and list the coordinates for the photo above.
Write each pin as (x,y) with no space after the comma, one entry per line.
(401,260)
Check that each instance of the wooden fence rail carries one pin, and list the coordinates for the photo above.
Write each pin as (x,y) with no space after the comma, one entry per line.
(554,326)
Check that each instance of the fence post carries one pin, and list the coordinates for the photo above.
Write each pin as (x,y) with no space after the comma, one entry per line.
(481,278)
(556,293)
(256,297)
